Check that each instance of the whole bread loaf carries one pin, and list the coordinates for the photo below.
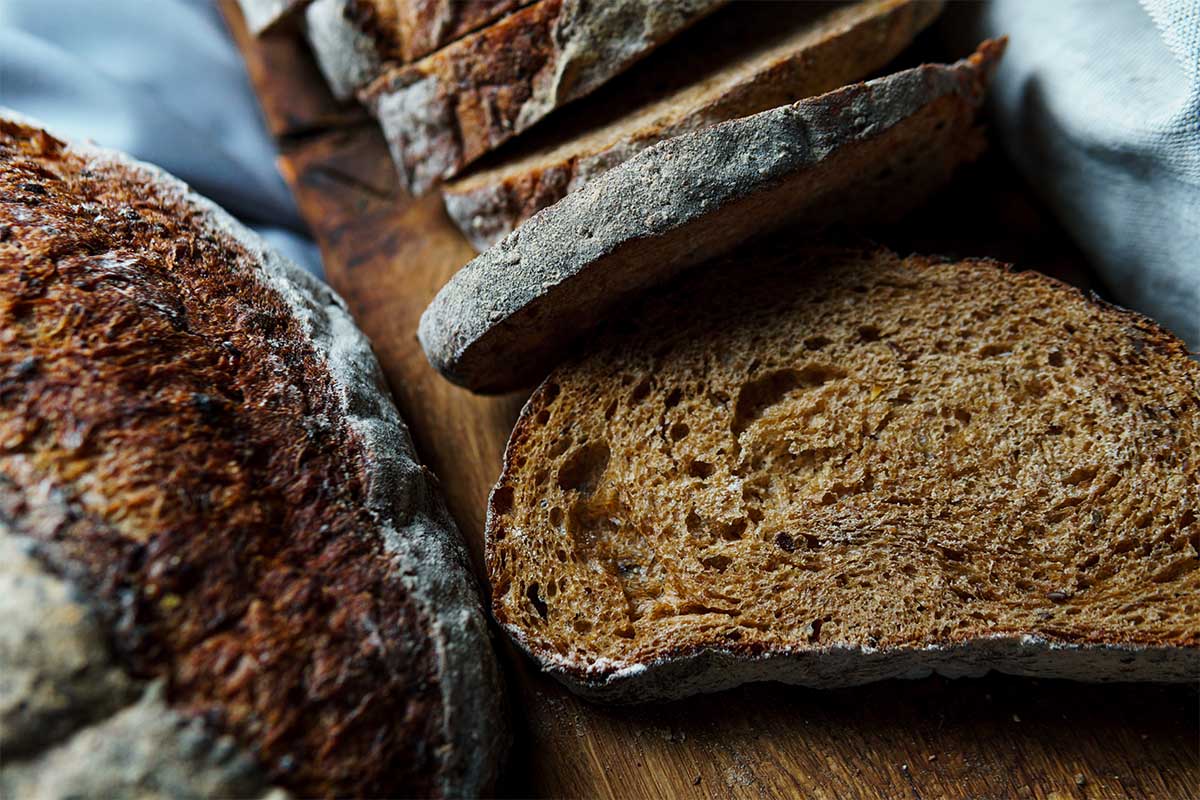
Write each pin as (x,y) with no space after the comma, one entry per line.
(446,110)
(223,568)
(742,60)
(353,40)
(833,466)
(867,152)
(262,15)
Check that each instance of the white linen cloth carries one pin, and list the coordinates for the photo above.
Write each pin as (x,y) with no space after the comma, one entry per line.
(1096,101)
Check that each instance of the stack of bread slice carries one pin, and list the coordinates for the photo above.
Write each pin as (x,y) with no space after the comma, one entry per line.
(762,453)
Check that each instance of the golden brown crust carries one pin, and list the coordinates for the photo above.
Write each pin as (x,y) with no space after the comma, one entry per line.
(216,495)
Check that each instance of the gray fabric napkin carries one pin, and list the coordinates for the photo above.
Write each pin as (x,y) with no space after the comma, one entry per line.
(161,80)
(1097,102)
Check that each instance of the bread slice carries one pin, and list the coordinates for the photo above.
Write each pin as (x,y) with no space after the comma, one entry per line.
(446,110)
(749,58)
(865,152)
(262,15)
(836,466)
(353,39)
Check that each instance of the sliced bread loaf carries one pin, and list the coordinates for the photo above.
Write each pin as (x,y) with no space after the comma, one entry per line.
(837,466)
(748,58)
(866,152)
(354,39)
(446,110)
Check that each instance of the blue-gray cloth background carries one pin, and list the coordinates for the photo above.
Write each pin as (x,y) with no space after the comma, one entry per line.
(1097,102)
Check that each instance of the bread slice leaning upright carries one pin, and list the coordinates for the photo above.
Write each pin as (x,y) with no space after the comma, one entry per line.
(833,466)
(867,152)
(743,60)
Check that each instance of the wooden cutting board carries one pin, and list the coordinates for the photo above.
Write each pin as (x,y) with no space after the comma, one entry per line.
(999,736)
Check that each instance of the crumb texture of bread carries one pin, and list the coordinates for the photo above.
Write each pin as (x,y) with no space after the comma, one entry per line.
(740,61)
(446,110)
(840,465)
(195,436)
(861,154)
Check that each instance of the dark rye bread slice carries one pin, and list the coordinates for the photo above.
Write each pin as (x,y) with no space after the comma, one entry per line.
(866,152)
(208,501)
(262,15)
(446,110)
(353,40)
(745,59)
(834,466)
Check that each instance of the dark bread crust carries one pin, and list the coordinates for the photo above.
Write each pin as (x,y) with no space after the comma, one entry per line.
(355,40)
(220,505)
(1049,649)
(405,30)
(444,111)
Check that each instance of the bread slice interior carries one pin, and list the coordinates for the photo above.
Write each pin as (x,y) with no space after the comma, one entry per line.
(843,449)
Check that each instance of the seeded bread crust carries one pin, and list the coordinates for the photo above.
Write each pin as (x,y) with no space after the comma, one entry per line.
(90,531)
(353,40)
(262,15)
(1054,647)
(446,110)
(745,60)
(864,152)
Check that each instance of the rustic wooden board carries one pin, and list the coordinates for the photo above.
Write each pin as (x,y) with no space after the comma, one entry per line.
(993,737)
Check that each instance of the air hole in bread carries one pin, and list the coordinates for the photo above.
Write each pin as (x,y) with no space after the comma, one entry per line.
(540,605)
(640,392)
(717,563)
(815,342)
(995,349)
(502,500)
(868,333)
(583,469)
(758,395)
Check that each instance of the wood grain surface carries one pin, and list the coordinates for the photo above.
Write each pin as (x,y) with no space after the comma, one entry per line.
(995,737)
